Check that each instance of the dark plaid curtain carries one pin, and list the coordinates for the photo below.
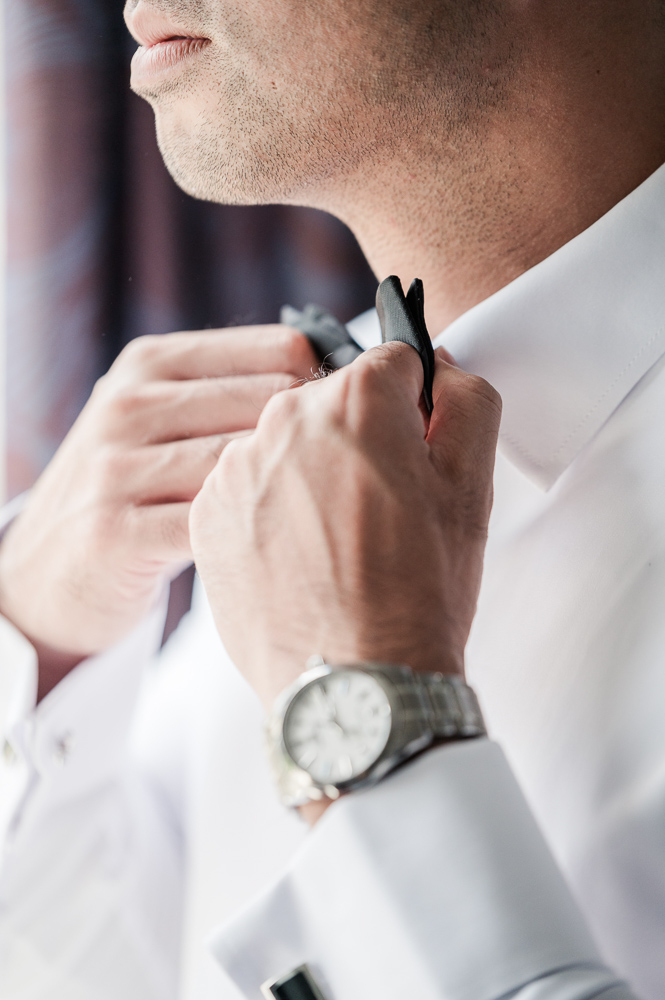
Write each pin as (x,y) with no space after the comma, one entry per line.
(103,247)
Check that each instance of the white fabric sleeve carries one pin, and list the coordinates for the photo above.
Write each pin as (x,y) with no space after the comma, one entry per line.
(18,693)
(435,884)
(90,873)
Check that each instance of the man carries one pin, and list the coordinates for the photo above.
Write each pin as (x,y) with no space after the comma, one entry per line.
(508,154)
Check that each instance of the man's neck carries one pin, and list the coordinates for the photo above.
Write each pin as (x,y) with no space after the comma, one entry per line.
(580,127)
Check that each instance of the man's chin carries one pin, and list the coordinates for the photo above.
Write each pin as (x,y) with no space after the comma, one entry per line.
(211,169)
(187,173)
(193,163)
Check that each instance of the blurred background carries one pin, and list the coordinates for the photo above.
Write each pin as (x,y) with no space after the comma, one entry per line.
(100,246)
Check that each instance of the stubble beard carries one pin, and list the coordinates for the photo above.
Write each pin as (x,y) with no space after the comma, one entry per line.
(242,147)
(227,136)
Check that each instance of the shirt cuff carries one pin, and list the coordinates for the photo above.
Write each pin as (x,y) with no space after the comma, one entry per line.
(436,883)
(76,737)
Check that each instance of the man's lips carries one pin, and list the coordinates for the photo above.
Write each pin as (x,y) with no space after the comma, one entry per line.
(164,45)
(163,57)
(150,26)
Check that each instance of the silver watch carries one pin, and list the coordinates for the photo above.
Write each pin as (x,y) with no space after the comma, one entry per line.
(342,727)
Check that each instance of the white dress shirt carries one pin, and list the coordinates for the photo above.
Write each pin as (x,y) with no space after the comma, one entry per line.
(138,808)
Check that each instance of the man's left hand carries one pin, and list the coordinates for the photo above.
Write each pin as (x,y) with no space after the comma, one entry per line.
(350,525)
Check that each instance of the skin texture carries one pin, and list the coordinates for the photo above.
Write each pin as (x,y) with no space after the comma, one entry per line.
(462,142)
(107,522)
(349,524)
(284,98)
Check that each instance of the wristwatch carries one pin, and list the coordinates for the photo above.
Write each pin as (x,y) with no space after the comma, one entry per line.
(342,727)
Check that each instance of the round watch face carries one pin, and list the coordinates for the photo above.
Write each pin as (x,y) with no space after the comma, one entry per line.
(338,725)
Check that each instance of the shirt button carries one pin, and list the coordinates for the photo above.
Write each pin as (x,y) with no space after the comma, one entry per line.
(9,755)
(62,748)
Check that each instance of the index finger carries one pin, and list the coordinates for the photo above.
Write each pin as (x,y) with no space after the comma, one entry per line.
(216,353)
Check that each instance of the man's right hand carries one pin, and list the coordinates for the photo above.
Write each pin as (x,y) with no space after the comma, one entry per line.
(108,520)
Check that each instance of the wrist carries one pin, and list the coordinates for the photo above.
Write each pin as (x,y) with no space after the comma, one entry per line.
(346,726)
(425,651)
(278,671)
(53,664)
(312,812)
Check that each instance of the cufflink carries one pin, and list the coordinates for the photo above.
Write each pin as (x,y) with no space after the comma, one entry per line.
(299,984)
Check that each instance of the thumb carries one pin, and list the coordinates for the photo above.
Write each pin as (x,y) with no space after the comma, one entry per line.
(464,427)
(393,374)
(399,364)
(381,392)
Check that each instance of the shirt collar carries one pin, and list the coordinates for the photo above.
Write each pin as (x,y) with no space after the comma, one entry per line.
(566,341)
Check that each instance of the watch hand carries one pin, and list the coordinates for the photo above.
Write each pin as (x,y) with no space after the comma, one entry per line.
(332,707)
(325,704)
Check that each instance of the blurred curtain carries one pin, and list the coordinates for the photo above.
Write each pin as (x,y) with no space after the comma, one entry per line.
(102,246)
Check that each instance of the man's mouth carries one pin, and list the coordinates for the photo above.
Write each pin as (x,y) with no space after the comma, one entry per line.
(163,45)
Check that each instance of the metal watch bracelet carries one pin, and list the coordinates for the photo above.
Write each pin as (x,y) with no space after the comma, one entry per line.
(426,709)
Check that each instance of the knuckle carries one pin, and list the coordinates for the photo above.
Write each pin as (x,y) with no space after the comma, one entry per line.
(278,422)
(359,393)
(473,401)
(112,468)
(138,353)
(101,389)
(229,472)
(230,457)
(484,394)
(125,403)
(368,379)
(280,407)
(137,363)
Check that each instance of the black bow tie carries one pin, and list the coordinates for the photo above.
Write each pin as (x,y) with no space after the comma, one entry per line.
(401,318)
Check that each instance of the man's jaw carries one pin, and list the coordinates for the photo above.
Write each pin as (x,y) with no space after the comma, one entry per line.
(164,43)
